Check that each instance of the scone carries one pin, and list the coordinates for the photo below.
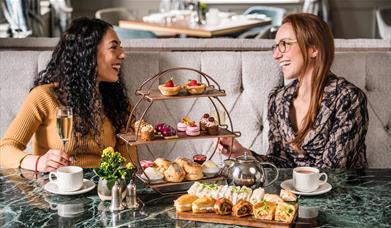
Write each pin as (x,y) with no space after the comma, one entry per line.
(193,87)
(182,161)
(169,89)
(264,210)
(183,203)
(285,212)
(193,170)
(174,173)
(162,164)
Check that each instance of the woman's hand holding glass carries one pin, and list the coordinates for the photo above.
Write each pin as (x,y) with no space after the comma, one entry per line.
(52,160)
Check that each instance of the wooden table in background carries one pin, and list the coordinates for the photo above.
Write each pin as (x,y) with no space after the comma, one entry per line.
(226,27)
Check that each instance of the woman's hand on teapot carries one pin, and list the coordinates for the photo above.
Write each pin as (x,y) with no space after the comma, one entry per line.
(225,144)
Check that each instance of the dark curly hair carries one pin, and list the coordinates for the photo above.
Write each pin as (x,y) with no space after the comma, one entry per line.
(73,69)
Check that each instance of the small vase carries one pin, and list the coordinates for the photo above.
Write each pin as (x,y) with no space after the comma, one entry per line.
(105,186)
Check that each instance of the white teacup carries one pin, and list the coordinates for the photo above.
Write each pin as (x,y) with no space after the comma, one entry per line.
(307,179)
(69,178)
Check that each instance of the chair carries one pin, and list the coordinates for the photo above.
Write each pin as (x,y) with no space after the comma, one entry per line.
(383,18)
(275,13)
(114,15)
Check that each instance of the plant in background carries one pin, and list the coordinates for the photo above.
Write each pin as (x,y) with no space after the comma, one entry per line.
(111,168)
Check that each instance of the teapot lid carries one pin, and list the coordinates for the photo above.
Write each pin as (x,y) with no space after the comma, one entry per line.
(245,158)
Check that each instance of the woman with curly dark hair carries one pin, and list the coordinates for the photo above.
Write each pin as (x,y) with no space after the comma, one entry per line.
(84,74)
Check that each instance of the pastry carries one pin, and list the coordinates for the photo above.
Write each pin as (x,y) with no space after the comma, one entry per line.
(192,130)
(183,203)
(257,195)
(287,195)
(209,168)
(242,208)
(203,122)
(264,210)
(272,198)
(147,132)
(174,173)
(203,205)
(193,170)
(162,164)
(212,127)
(139,123)
(169,89)
(223,206)
(193,87)
(153,174)
(182,161)
(285,212)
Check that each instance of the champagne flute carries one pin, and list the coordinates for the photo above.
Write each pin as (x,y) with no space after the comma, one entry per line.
(218,115)
(64,125)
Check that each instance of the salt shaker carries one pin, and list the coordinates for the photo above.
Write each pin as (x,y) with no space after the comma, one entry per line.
(116,197)
(131,195)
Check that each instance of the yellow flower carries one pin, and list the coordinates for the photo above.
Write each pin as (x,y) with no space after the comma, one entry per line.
(129,165)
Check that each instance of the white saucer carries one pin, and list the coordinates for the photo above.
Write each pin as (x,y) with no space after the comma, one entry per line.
(288,185)
(88,185)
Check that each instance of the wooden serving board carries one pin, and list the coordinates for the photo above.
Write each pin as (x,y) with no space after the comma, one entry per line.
(230,219)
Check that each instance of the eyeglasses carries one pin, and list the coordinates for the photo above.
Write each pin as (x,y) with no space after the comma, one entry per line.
(283,46)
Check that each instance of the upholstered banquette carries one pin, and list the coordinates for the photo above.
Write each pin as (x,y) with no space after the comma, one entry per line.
(244,68)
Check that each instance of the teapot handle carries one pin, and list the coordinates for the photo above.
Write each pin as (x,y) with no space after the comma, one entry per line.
(277,172)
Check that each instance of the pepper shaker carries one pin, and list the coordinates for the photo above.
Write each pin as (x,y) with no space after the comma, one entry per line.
(116,197)
(131,195)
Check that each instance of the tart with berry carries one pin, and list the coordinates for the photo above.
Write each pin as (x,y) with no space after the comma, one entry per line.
(194,87)
(169,89)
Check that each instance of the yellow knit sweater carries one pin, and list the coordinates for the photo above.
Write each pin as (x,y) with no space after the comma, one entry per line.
(37,120)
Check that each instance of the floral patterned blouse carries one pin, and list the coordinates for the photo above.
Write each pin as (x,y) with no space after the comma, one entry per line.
(337,139)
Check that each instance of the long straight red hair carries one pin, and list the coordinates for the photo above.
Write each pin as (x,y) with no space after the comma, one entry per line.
(312,32)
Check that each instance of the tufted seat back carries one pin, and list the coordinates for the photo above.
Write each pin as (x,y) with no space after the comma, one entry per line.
(247,77)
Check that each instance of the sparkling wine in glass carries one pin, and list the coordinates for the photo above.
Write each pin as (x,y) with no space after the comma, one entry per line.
(64,124)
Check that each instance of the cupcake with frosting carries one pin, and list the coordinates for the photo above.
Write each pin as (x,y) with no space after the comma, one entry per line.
(139,124)
(203,122)
(147,132)
(212,127)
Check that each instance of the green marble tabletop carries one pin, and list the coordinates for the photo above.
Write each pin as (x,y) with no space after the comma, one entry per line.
(359,198)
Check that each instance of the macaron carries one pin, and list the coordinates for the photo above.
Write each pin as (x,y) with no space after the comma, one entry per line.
(192,131)
(181,126)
